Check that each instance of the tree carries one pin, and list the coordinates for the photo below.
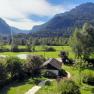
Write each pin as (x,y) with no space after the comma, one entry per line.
(33,46)
(28,46)
(14,48)
(3,71)
(1,44)
(14,67)
(35,63)
(75,43)
(82,41)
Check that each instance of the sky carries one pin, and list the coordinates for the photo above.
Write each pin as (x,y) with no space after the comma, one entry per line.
(24,14)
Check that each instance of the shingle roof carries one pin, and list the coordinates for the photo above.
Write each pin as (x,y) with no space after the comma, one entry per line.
(53,62)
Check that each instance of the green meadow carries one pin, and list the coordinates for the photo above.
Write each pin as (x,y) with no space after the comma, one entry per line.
(39,51)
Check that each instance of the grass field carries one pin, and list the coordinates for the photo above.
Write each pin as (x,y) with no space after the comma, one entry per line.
(40,52)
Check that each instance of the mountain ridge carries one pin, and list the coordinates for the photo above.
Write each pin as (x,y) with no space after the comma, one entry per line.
(64,23)
(5,29)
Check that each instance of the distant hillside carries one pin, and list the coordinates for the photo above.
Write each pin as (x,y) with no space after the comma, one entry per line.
(4,28)
(64,23)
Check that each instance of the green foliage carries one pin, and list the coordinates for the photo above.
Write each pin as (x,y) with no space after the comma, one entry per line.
(62,73)
(34,64)
(68,87)
(75,42)
(49,74)
(50,49)
(14,48)
(14,67)
(82,41)
(92,90)
(48,83)
(80,64)
(28,46)
(50,40)
(88,77)
(3,71)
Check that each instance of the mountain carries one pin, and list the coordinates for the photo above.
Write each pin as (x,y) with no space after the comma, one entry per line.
(64,23)
(4,28)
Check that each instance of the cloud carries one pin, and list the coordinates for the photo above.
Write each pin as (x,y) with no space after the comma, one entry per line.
(24,24)
(17,12)
(37,7)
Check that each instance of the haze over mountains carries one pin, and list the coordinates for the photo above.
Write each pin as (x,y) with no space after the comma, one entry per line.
(61,24)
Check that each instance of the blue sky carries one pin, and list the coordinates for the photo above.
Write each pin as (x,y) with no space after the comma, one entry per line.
(24,14)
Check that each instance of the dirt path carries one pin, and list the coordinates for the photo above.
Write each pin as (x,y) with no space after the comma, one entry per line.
(69,75)
(34,89)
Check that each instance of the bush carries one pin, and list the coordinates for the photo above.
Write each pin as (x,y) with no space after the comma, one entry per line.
(50,49)
(14,67)
(15,48)
(34,64)
(3,72)
(49,74)
(88,78)
(92,91)
(68,87)
(62,73)
(48,83)
(90,62)
(37,81)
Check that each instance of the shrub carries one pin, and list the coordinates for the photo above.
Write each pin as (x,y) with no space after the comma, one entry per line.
(37,81)
(65,59)
(14,67)
(15,48)
(50,49)
(88,78)
(92,91)
(90,62)
(48,83)
(34,64)
(49,74)
(68,87)
(62,73)
(3,72)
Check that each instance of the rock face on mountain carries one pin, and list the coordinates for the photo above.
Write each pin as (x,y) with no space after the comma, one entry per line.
(4,28)
(64,23)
